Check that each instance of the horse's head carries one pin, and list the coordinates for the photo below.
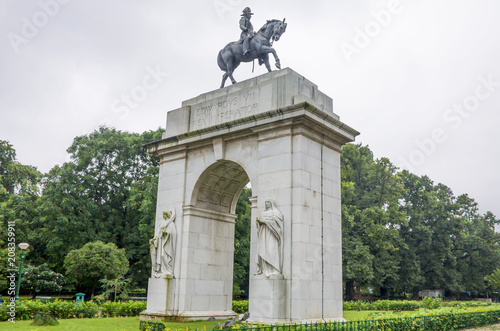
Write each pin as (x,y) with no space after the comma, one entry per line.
(273,29)
(278,29)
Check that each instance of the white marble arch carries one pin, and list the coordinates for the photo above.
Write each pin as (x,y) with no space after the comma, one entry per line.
(279,132)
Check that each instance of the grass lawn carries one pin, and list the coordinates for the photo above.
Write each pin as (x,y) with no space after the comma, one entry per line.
(99,324)
(132,323)
(352,315)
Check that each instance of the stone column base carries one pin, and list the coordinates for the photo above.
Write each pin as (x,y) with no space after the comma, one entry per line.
(268,301)
(157,294)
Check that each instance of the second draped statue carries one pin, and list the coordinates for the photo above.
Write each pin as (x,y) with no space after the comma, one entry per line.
(270,241)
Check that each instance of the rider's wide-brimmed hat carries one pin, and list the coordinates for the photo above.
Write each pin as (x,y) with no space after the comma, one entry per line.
(247,10)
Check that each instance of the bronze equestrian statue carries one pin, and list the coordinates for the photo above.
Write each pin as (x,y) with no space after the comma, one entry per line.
(251,46)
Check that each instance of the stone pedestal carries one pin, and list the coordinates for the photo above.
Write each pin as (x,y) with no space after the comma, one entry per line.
(157,295)
(279,132)
(268,302)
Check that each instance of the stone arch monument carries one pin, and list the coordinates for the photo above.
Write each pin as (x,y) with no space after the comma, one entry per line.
(279,132)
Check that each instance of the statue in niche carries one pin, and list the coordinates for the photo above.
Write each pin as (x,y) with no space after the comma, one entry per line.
(163,247)
(270,241)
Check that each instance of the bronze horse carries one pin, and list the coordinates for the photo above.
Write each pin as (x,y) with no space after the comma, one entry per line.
(231,56)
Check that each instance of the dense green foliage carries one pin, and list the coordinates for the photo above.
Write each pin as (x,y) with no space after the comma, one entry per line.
(494,278)
(41,279)
(106,192)
(116,288)
(404,305)
(96,261)
(402,233)
(152,325)
(240,306)
(409,305)
(242,246)
(18,193)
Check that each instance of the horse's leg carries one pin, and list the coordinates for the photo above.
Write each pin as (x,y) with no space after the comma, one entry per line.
(230,69)
(224,77)
(267,49)
(265,59)
(230,61)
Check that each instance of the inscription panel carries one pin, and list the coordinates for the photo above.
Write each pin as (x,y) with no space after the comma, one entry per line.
(230,107)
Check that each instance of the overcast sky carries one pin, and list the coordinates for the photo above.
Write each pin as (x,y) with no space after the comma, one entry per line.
(419,79)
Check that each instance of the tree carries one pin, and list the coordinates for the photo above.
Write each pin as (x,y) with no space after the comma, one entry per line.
(429,234)
(95,261)
(19,199)
(450,245)
(242,245)
(477,253)
(118,288)
(15,178)
(106,192)
(357,259)
(370,221)
(41,279)
(494,278)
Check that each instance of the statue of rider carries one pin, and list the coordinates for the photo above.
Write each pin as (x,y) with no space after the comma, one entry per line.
(246,29)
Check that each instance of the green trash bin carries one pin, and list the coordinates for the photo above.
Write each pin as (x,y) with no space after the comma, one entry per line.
(79,297)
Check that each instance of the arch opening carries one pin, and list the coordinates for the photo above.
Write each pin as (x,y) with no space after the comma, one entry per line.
(213,232)
(219,187)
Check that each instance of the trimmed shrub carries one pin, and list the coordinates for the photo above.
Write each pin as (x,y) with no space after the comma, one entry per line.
(407,305)
(448,321)
(152,326)
(240,307)
(122,309)
(25,310)
(445,321)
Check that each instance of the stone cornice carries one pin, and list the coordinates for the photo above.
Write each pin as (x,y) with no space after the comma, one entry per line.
(314,118)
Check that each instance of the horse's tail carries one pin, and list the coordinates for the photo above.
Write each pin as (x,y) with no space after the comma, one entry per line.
(221,62)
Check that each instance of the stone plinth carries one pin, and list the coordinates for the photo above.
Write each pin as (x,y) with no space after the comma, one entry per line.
(157,295)
(279,132)
(268,302)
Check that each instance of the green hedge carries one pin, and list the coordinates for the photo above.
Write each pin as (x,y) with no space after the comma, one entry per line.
(152,326)
(122,309)
(465,304)
(240,307)
(25,310)
(443,322)
(407,305)
(382,305)
(449,321)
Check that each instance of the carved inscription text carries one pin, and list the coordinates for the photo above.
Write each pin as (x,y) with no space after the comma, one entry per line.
(224,109)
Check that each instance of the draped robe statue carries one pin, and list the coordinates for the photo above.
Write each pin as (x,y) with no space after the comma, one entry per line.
(163,247)
(270,241)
